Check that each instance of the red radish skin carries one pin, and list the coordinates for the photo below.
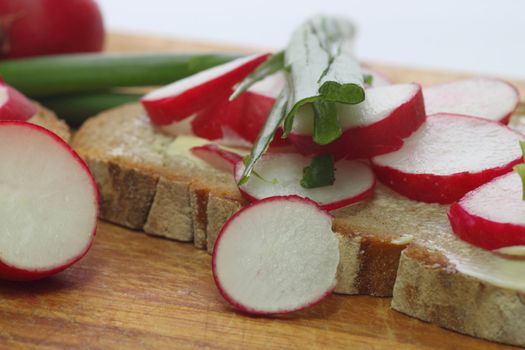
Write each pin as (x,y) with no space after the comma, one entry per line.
(493,215)
(419,170)
(45,138)
(44,27)
(382,124)
(14,105)
(327,274)
(488,98)
(281,173)
(188,96)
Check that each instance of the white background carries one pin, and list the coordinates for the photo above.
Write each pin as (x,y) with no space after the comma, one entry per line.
(474,36)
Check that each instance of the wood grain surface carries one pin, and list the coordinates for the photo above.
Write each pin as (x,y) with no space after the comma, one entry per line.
(133,291)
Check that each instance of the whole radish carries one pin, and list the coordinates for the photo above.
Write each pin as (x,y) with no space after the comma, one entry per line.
(45,27)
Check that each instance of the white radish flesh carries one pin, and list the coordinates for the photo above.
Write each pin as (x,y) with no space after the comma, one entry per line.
(277,255)
(491,99)
(14,105)
(49,203)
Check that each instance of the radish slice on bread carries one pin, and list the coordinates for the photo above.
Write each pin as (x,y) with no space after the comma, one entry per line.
(279,174)
(258,276)
(491,99)
(14,105)
(375,126)
(49,203)
(449,156)
(491,216)
(185,97)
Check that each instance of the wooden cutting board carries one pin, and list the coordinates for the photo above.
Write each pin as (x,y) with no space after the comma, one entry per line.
(133,291)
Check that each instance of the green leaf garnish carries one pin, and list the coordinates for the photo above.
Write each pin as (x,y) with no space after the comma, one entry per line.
(368,79)
(274,120)
(272,65)
(319,173)
(326,124)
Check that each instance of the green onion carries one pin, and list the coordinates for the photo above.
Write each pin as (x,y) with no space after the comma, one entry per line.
(320,60)
(274,120)
(272,65)
(67,74)
(319,173)
(75,109)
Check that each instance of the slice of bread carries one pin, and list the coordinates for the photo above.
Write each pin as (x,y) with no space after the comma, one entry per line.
(47,119)
(389,245)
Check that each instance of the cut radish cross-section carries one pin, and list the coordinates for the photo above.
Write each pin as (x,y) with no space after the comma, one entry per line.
(185,97)
(449,156)
(493,215)
(14,105)
(491,99)
(275,256)
(48,203)
(374,126)
(279,174)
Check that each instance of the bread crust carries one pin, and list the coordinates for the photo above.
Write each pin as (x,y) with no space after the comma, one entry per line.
(436,294)
(144,189)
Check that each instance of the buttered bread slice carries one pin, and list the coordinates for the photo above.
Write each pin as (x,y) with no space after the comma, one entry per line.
(389,245)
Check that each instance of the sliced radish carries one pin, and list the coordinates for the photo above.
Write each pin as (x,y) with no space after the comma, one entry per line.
(491,99)
(491,216)
(277,255)
(279,174)
(378,79)
(14,105)
(49,203)
(375,126)
(449,156)
(185,97)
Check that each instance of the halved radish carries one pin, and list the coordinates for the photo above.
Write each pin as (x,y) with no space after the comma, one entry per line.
(49,203)
(375,126)
(14,105)
(487,98)
(279,174)
(185,97)
(276,256)
(491,216)
(449,156)
(378,79)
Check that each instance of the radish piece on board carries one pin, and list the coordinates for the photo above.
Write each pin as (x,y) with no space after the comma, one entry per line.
(185,97)
(279,174)
(449,156)
(275,256)
(487,98)
(14,105)
(49,203)
(493,215)
(375,126)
